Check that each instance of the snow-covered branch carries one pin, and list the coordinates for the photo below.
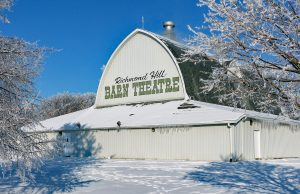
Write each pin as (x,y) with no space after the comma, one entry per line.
(65,103)
(256,44)
(20,63)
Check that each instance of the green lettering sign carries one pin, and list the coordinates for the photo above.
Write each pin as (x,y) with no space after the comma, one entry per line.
(125,90)
(168,85)
(107,92)
(135,85)
(156,86)
(175,84)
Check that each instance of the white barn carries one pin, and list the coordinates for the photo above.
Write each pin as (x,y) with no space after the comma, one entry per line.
(144,110)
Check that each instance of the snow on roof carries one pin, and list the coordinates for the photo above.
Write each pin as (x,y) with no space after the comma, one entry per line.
(167,114)
(253,114)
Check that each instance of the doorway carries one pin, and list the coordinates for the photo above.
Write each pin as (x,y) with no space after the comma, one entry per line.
(257,154)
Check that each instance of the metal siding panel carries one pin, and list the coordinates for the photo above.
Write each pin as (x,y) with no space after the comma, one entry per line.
(197,143)
(190,143)
(139,55)
(243,141)
(280,140)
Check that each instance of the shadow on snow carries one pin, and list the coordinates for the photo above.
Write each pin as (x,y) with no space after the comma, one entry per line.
(249,176)
(59,174)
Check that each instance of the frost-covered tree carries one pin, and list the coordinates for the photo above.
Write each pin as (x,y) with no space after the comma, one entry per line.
(19,65)
(65,103)
(5,5)
(256,44)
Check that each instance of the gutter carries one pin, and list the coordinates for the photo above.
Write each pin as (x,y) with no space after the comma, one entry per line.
(161,126)
(231,159)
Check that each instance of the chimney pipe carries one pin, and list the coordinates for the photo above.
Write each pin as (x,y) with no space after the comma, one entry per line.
(169,32)
(168,25)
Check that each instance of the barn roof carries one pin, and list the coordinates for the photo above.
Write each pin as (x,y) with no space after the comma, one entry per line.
(168,114)
(177,113)
(180,113)
(192,72)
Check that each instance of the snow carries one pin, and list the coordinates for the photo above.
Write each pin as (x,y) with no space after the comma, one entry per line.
(253,114)
(154,115)
(89,175)
(141,116)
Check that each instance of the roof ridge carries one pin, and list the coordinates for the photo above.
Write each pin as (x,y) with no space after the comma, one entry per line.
(163,38)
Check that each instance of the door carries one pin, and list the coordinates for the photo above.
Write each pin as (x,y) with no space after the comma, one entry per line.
(257,144)
(68,147)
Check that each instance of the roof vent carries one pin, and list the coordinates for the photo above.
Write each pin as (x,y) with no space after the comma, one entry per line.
(169,32)
(187,106)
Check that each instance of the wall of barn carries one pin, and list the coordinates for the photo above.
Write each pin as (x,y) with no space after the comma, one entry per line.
(210,143)
(243,141)
(279,140)
(276,140)
(195,143)
(139,62)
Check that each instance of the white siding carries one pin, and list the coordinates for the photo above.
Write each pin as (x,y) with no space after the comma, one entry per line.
(209,143)
(196,143)
(279,140)
(243,141)
(139,54)
(276,140)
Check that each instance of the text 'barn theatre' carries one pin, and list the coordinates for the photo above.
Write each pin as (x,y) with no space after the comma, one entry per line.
(144,110)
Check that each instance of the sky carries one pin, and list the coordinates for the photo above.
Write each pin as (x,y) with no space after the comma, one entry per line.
(86,32)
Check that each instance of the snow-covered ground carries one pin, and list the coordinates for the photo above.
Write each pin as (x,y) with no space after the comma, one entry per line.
(87,175)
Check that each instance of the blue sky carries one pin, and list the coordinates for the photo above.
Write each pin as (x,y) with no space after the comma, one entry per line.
(87,32)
